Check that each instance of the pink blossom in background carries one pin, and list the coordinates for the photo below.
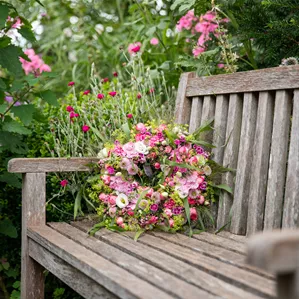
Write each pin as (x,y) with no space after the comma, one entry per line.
(154,41)
(36,65)
(104,80)
(73,115)
(134,48)
(69,109)
(72,83)
(193,214)
(63,183)
(18,24)
(112,93)
(100,96)
(186,22)
(197,51)
(9,99)
(139,95)
(86,92)
(115,74)
(152,90)
(85,128)
(129,115)
(220,65)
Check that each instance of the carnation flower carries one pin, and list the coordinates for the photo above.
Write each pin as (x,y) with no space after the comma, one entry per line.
(69,109)
(154,207)
(100,96)
(72,83)
(141,148)
(85,128)
(112,93)
(86,92)
(134,48)
(122,200)
(129,115)
(63,183)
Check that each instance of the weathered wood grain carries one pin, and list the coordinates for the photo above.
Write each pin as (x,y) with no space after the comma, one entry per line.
(278,252)
(278,160)
(115,279)
(250,81)
(82,284)
(241,194)
(291,200)
(230,157)
(208,113)
(162,280)
(183,104)
(34,165)
(209,249)
(168,263)
(196,112)
(260,162)
(33,213)
(230,236)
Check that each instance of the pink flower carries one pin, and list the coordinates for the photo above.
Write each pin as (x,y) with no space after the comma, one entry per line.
(73,114)
(191,201)
(152,90)
(112,93)
(129,115)
(103,197)
(112,212)
(134,48)
(100,96)
(115,74)
(220,65)
(104,80)
(69,109)
(193,214)
(106,179)
(139,95)
(130,213)
(129,149)
(85,128)
(157,165)
(112,200)
(109,169)
(154,41)
(119,221)
(154,207)
(140,127)
(153,219)
(171,222)
(197,51)
(168,212)
(86,92)
(63,183)
(71,83)
(18,24)
(201,200)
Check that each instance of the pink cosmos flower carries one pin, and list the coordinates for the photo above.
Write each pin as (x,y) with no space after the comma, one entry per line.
(69,109)
(100,96)
(134,48)
(86,92)
(63,183)
(85,128)
(154,41)
(72,83)
(112,93)
(129,115)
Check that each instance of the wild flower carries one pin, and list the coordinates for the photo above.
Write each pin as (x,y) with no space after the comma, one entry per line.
(154,41)
(85,128)
(71,83)
(134,48)
(63,183)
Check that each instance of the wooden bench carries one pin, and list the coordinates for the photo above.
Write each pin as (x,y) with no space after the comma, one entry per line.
(256,120)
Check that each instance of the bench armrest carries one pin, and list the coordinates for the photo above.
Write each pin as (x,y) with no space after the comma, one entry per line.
(43,165)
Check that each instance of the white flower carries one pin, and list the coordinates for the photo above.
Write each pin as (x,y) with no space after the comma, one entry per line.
(103,153)
(141,148)
(122,200)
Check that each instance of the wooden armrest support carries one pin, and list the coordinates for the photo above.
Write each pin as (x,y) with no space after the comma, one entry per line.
(276,251)
(43,165)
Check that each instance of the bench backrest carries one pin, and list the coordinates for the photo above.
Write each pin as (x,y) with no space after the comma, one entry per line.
(256,131)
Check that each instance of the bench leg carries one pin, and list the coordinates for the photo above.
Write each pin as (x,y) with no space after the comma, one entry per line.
(33,214)
(288,285)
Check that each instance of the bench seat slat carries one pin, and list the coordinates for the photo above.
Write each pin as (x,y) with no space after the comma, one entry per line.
(151,253)
(260,162)
(113,278)
(145,271)
(231,236)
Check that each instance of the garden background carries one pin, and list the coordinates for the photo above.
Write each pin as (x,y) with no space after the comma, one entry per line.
(101,46)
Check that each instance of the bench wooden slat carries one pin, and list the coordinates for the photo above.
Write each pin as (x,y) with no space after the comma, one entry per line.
(42,165)
(241,192)
(244,279)
(183,104)
(82,284)
(291,201)
(278,160)
(164,281)
(209,249)
(231,236)
(113,278)
(159,258)
(250,81)
(196,112)
(260,162)
(208,113)
(230,157)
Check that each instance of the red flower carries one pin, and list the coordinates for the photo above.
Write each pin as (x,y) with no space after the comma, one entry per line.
(85,128)
(139,95)
(104,80)
(112,93)
(69,109)
(115,74)
(100,96)
(73,114)
(157,165)
(63,183)
(86,92)
(129,115)
(191,201)
(71,83)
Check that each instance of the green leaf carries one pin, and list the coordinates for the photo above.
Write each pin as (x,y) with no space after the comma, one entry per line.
(96,227)
(16,284)
(77,206)
(126,129)
(11,179)
(2,84)
(13,143)
(187,210)
(4,10)
(27,33)
(151,31)
(138,234)
(9,59)
(15,127)
(48,96)
(8,229)
(31,79)
(223,187)
(3,108)
(24,113)
(4,41)
(203,143)
(16,85)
